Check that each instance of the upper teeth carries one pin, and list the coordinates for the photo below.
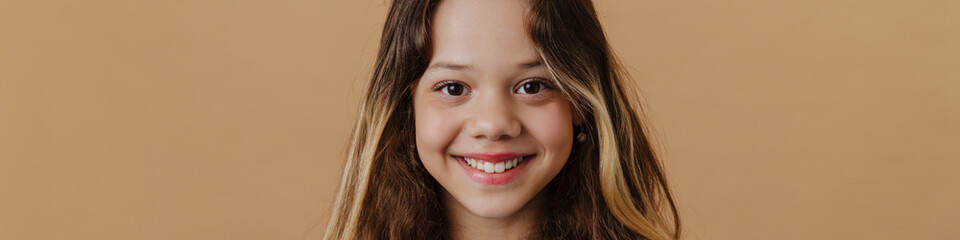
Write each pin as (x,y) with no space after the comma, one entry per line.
(493,167)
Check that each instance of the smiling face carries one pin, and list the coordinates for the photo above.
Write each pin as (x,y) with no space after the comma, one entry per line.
(491,127)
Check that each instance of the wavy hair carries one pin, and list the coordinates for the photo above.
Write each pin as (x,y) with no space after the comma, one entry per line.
(612,187)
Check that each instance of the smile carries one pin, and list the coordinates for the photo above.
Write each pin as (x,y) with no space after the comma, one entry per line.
(493,167)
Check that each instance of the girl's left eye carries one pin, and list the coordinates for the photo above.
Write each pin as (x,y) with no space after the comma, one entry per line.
(533,86)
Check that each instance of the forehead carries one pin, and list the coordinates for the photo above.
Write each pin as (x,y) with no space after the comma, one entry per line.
(481,33)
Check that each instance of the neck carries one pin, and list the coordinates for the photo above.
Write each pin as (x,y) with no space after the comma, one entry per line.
(464,224)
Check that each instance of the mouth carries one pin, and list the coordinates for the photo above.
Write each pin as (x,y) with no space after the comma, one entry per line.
(494,165)
(495,169)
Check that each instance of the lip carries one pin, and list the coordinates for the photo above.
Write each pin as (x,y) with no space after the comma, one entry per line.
(495,178)
(493,157)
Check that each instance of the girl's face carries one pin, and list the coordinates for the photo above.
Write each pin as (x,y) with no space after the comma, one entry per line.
(490,126)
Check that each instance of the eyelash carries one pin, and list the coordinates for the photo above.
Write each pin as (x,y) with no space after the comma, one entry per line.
(443,84)
(543,82)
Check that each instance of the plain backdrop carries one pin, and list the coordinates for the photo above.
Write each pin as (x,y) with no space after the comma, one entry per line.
(207,119)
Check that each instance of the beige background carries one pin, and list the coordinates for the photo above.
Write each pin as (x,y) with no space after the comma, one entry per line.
(228,119)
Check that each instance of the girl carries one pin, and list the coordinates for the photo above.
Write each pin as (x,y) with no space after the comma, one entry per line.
(499,119)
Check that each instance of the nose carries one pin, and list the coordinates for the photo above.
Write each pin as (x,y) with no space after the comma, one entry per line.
(492,118)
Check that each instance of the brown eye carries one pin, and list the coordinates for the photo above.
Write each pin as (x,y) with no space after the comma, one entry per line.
(533,86)
(453,89)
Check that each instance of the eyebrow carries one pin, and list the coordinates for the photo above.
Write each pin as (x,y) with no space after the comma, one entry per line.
(462,67)
(450,66)
(533,64)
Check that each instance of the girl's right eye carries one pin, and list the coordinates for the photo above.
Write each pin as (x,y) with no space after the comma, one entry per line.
(451,88)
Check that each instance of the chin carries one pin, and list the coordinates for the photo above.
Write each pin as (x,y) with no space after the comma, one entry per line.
(493,208)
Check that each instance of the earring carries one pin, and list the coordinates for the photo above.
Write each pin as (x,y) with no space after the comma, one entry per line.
(581,137)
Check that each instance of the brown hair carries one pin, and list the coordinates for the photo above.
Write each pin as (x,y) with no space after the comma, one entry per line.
(612,187)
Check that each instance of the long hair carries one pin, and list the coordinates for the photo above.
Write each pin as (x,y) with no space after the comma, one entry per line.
(612,187)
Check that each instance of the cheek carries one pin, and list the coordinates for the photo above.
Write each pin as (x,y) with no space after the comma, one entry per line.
(435,130)
(552,125)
